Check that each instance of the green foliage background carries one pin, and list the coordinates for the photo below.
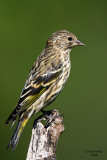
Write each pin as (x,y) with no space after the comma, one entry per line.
(24,28)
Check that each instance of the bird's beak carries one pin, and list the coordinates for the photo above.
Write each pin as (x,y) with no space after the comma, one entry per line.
(78,43)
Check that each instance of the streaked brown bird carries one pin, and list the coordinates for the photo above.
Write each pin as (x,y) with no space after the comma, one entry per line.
(45,81)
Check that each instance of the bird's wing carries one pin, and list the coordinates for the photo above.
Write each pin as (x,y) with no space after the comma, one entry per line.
(34,88)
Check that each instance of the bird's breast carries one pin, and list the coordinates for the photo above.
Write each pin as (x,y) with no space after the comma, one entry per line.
(66,68)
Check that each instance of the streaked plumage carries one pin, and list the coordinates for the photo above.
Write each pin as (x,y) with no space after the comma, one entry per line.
(45,81)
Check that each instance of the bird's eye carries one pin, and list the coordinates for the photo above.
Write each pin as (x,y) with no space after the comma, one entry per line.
(70,38)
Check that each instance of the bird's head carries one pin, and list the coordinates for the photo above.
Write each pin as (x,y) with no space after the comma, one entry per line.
(63,40)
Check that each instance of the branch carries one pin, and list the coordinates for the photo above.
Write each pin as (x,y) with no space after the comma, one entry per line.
(44,138)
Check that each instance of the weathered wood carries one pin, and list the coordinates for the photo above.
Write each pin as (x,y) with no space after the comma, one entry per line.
(44,138)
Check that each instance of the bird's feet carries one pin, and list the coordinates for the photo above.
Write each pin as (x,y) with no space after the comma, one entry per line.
(49,116)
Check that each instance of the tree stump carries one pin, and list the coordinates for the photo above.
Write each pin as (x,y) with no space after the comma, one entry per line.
(45,137)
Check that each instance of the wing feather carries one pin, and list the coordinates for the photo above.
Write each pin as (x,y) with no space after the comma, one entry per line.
(33,90)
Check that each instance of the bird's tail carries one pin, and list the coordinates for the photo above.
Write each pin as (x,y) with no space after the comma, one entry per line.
(17,133)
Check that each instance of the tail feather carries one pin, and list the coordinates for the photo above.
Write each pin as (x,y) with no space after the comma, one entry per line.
(13,122)
(17,133)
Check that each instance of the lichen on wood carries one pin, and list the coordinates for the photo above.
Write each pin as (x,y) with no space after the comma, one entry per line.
(45,137)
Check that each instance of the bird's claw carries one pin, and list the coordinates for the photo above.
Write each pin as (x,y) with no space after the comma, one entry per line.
(49,116)
(39,119)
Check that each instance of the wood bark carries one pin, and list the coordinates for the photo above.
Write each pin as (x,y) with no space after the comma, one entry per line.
(45,137)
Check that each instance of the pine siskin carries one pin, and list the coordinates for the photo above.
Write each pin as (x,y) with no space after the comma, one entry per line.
(45,81)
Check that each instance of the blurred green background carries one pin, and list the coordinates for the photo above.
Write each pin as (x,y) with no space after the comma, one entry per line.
(24,28)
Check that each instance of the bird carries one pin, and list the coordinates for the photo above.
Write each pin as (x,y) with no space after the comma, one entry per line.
(45,81)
